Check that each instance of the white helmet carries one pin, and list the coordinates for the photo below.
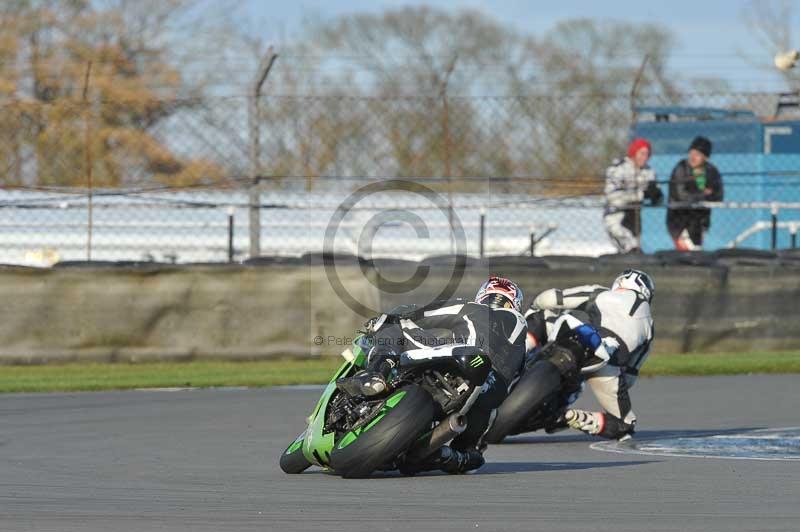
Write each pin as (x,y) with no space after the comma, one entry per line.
(638,281)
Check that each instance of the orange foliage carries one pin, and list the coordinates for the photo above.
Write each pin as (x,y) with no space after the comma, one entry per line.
(44,53)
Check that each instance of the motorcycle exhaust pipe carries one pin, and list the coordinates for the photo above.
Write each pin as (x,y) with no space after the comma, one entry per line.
(445,431)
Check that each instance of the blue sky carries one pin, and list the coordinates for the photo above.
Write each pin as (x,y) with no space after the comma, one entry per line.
(712,36)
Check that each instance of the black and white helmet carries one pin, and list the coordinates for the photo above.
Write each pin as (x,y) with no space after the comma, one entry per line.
(638,281)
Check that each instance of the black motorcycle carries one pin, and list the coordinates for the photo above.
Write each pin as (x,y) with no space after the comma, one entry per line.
(548,384)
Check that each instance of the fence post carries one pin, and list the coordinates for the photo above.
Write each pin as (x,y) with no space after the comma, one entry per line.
(231,212)
(483,231)
(87,116)
(533,240)
(446,134)
(635,90)
(254,114)
(774,226)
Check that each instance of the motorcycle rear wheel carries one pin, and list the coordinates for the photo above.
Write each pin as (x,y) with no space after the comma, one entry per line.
(533,388)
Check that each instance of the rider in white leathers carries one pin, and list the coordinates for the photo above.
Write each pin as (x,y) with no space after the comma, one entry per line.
(622,317)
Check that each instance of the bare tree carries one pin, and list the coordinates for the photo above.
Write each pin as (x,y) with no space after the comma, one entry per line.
(418,66)
(770,22)
(422,92)
(134,88)
(555,106)
(582,71)
(416,47)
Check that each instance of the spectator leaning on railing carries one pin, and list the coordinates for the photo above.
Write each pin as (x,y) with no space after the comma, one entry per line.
(629,181)
(693,180)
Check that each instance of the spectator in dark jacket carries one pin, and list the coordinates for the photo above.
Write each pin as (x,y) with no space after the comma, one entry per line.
(693,180)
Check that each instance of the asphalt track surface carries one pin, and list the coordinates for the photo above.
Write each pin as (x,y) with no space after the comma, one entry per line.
(207,460)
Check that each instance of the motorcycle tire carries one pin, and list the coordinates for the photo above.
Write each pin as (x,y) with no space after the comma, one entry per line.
(533,388)
(292,460)
(407,413)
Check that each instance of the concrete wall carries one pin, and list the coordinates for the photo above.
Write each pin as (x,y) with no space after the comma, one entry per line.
(246,312)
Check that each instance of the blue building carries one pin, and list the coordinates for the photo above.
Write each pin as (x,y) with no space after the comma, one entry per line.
(759,160)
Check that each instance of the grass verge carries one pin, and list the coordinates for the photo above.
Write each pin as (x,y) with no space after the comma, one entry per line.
(201,374)
(723,363)
(120,376)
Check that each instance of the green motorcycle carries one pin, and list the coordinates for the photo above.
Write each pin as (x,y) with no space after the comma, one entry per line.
(432,389)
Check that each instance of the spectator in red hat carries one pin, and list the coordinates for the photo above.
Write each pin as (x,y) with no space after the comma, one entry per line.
(693,180)
(629,181)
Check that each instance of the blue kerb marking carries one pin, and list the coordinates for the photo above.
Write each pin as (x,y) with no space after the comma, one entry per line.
(761,444)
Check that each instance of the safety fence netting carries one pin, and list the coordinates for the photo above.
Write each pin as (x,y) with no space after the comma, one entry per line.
(218,179)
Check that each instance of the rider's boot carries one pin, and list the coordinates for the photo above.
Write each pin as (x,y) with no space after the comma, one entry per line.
(599,424)
(454,462)
(556,425)
(366,382)
(369,382)
(448,460)
(588,422)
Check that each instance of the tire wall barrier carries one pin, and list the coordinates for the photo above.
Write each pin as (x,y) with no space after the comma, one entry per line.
(136,313)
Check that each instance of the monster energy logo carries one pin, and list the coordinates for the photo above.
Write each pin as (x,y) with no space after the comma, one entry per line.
(476,362)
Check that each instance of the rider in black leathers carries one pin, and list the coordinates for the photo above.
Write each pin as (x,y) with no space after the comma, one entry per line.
(492,323)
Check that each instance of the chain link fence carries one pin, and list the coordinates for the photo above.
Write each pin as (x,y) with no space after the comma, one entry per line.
(219,179)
